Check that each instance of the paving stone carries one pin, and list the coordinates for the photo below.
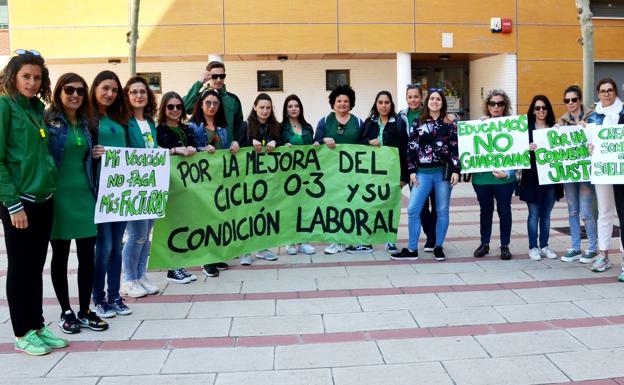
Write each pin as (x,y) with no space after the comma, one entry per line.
(504,371)
(152,311)
(340,257)
(278,377)
(245,275)
(351,322)
(557,294)
(591,364)
(162,379)
(119,329)
(276,325)
(232,309)
(366,271)
(570,273)
(496,277)
(441,268)
(219,360)
(600,337)
(327,283)
(514,264)
(608,290)
(327,355)
(113,363)
(430,349)
(281,285)
(602,307)
(541,311)
(399,302)
(49,381)
(520,344)
(425,373)
(457,316)
(317,306)
(21,365)
(409,280)
(184,328)
(313,272)
(214,286)
(480,298)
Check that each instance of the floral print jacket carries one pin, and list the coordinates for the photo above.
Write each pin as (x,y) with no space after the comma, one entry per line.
(431,144)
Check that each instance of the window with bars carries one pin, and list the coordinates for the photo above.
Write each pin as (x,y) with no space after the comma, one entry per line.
(607,8)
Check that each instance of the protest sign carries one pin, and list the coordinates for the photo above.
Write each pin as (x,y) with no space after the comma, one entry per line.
(494,144)
(562,155)
(608,155)
(134,184)
(222,206)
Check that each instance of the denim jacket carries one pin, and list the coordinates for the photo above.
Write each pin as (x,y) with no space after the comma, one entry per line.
(58,129)
(597,118)
(202,138)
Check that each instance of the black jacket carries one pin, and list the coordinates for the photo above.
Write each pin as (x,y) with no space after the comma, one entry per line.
(394,135)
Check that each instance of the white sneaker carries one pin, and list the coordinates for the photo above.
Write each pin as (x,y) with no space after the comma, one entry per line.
(535,254)
(148,285)
(266,254)
(291,249)
(246,260)
(133,289)
(306,248)
(548,253)
(335,248)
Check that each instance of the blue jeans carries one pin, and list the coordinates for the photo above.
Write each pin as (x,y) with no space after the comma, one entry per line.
(486,194)
(580,197)
(418,196)
(539,218)
(137,248)
(107,261)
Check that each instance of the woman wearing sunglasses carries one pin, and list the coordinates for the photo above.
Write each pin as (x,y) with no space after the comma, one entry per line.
(539,199)
(27,184)
(71,146)
(141,102)
(496,186)
(608,111)
(111,115)
(173,134)
(580,196)
(340,127)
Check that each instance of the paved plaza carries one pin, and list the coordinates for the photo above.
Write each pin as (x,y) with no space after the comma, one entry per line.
(356,320)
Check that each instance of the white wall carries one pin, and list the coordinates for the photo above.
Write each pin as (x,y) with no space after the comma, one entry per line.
(492,72)
(306,78)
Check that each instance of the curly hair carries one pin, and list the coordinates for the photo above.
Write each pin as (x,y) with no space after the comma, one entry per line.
(150,109)
(342,90)
(490,95)
(9,74)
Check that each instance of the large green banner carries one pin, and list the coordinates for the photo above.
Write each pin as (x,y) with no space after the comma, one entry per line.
(222,206)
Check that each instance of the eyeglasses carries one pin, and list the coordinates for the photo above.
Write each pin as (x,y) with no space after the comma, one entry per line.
(571,100)
(540,108)
(341,128)
(606,92)
(138,92)
(217,76)
(171,107)
(69,90)
(496,104)
(215,103)
(21,51)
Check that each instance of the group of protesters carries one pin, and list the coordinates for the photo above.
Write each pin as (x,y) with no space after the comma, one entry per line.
(49,165)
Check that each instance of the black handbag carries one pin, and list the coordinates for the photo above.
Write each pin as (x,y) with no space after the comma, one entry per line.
(447,171)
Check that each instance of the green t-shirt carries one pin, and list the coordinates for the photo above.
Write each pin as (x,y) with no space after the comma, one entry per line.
(481,178)
(111,133)
(413,115)
(348,134)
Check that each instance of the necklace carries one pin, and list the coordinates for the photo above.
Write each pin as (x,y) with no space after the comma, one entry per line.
(78,139)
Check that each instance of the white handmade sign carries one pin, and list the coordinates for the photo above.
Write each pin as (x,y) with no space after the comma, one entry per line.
(608,155)
(562,155)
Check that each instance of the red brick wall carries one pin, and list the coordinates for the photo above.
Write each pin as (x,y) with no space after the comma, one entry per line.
(5,50)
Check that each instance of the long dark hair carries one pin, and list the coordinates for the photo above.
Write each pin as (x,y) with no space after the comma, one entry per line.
(426,114)
(301,119)
(149,111)
(9,75)
(162,110)
(84,111)
(118,111)
(253,124)
(550,114)
(198,112)
(375,113)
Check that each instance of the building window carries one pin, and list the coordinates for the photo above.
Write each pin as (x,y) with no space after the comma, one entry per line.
(607,8)
(270,81)
(335,78)
(153,79)
(4,14)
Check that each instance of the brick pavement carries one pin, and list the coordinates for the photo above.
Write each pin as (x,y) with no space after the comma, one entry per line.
(356,319)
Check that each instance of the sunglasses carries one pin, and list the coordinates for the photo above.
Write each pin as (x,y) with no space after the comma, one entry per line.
(436,90)
(341,128)
(21,51)
(69,90)
(571,100)
(540,108)
(606,92)
(208,103)
(138,92)
(217,76)
(172,107)
(496,104)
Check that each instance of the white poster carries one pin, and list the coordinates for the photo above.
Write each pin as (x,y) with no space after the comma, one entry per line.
(562,155)
(134,184)
(494,144)
(608,155)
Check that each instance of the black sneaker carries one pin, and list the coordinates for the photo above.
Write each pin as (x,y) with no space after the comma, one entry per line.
(357,249)
(429,245)
(210,270)
(190,276)
(438,254)
(482,250)
(68,323)
(222,265)
(176,276)
(405,254)
(505,254)
(92,321)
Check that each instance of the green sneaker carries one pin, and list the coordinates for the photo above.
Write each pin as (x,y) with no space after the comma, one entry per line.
(571,256)
(621,276)
(46,335)
(31,344)
(589,256)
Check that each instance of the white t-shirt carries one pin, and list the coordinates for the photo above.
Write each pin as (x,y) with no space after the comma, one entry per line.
(146,131)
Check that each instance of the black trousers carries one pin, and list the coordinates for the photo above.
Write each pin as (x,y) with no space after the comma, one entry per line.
(26,253)
(428,218)
(85,249)
(618,196)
